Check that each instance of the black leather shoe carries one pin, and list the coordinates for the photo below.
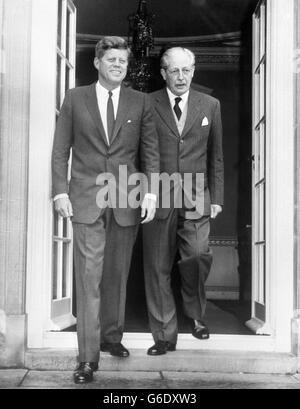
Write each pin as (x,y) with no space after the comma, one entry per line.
(170,346)
(115,349)
(84,372)
(200,331)
(161,348)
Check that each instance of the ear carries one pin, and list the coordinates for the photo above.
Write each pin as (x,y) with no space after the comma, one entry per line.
(96,63)
(163,73)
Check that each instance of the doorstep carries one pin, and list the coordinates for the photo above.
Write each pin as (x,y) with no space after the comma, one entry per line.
(178,361)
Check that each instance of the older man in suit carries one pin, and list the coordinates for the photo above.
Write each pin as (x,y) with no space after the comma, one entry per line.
(108,127)
(190,142)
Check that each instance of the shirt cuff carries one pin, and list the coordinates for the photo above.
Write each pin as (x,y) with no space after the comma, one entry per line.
(151,196)
(61,196)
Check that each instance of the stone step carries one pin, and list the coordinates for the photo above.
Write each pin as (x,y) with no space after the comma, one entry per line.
(179,361)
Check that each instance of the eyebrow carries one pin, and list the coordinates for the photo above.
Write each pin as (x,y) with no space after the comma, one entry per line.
(183,68)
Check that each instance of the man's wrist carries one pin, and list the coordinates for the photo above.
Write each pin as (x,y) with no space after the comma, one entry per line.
(61,196)
(151,196)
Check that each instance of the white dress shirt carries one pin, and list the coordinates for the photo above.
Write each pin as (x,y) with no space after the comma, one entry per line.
(102,98)
(182,104)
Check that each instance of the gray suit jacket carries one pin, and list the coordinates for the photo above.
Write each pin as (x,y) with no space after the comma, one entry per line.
(79,127)
(197,150)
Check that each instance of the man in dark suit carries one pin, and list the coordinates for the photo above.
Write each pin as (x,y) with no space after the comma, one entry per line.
(107,126)
(190,143)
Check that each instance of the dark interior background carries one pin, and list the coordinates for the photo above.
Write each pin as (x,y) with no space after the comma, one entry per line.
(174,18)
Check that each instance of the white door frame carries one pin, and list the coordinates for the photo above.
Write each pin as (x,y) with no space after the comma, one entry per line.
(279,175)
(41,131)
(280,192)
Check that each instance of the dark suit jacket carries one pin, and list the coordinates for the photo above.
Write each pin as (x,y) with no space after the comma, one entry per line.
(197,150)
(79,127)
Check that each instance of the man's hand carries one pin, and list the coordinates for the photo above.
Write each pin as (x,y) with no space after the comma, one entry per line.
(148,209)
(64,207)
(215,210)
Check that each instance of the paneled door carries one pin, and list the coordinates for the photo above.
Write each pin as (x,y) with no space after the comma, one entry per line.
(259,179)
(62,260)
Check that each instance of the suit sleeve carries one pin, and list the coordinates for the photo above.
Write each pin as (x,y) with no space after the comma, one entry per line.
(149,148)
(215,163)
(63,139)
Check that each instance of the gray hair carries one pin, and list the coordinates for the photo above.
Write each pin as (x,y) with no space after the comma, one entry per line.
(110,42)
(166,55)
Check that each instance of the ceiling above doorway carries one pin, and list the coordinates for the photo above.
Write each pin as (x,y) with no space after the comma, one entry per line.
(178,18)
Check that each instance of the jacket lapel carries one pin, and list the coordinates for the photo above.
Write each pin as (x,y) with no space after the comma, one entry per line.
(124,104)
(163,107)
(92,105)
(194,110)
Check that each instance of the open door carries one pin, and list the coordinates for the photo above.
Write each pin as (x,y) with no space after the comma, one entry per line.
(259,279)
(62,262)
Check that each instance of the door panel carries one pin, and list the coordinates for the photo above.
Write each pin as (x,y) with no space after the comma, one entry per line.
(257,323)
(62,267)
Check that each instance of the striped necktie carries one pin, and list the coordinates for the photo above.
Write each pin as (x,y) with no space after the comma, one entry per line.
(176,108)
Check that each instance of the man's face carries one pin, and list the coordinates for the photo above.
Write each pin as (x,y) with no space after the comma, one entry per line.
(112,67)
(179,73)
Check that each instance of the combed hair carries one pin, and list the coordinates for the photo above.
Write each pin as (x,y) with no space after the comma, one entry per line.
(110,42)
(164,59)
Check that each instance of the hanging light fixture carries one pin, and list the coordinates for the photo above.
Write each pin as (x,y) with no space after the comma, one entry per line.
(140,38)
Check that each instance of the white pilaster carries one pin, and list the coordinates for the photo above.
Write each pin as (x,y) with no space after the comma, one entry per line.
(280,195)
(15,26)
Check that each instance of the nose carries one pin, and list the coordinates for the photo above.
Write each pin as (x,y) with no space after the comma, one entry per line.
(180,75)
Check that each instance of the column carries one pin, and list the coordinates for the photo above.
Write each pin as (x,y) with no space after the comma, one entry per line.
(14,135)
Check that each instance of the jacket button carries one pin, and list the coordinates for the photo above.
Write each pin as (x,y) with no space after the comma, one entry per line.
(181,141)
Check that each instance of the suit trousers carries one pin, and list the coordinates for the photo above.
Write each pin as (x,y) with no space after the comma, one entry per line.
(102,255)
(161,240)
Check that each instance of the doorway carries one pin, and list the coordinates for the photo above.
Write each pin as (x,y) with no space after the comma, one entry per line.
(279,230)
(224,70)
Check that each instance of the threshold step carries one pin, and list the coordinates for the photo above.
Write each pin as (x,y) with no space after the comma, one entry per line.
(178,361)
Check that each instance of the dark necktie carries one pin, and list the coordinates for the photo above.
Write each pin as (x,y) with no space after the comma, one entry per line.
(176,108)
(110,116)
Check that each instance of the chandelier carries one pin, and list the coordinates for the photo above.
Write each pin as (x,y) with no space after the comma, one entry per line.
(140,38)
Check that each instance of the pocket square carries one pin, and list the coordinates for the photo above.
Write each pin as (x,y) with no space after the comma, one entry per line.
(205,121)
(129,121)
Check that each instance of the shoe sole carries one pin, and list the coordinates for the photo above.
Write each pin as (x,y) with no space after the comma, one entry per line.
(78,382)
(120,356)
(162,353)
(117,356)
(201,338)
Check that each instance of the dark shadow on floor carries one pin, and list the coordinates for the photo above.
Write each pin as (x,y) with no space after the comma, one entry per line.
(222,317)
